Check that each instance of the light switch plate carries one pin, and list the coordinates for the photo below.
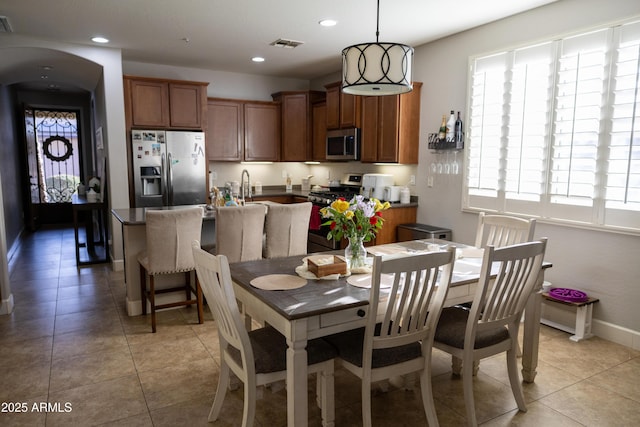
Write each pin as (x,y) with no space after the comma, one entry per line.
(412,180)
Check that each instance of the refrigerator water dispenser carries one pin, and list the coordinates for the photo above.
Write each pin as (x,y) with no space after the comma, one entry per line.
(151,181)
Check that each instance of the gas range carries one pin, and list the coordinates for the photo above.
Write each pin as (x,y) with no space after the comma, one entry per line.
(350,185)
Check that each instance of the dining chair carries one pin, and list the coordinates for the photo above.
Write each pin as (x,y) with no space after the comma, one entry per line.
(168,251)
(490,326)
(239,232)
(287,229)
(503,230)
(407,294)
(256,357)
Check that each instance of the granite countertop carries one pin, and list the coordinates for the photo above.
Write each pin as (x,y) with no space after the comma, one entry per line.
(136,216)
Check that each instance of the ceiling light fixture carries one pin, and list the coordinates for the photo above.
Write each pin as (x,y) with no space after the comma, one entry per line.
(377,68)
(99,39)
(328,23)
(257,59)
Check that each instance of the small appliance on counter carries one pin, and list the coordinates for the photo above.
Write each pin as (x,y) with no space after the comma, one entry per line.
(392,194)
(373,184)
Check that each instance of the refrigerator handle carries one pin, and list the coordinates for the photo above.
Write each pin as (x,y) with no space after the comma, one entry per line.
(164,179)
(170,178)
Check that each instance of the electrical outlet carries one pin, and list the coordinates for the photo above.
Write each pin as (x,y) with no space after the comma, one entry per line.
(430,181)
(412,180)
(284,173)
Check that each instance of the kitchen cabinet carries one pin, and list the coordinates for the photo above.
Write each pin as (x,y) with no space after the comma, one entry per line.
(262,133)
(390,127)
(343,109)
(240,130)
(319,114)
(392,218)
(224,136)
(165,104)
(297,124)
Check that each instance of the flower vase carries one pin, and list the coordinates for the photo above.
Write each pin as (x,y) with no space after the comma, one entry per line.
(355,253)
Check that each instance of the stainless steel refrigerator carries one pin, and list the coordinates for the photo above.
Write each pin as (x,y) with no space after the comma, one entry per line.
(169,168)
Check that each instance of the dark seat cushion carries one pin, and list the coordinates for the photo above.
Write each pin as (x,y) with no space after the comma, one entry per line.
(349,345)
(270,350)
(452,326)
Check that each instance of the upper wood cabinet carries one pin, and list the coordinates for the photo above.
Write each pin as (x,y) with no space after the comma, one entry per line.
(343,109)
(297,124)
(224,137)
(390,127)
(262,133)
(319,114)
(242,130)
(166,104)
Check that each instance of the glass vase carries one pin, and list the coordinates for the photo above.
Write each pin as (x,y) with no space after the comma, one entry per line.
(355,253)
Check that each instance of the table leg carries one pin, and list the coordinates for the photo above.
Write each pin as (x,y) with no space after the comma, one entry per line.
(297,405)
(75,233)
(531,334)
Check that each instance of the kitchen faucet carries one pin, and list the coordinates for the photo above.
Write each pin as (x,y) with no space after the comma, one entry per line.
(244,189)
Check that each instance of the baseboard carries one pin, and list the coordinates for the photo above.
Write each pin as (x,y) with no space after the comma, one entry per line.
(117,265)
(617,334)
(6,305)
(133,307)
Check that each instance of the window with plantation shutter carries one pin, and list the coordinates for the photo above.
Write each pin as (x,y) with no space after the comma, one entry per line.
(554,130)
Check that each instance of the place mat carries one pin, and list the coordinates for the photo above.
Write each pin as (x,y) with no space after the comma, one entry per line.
(364,281)
(278,282)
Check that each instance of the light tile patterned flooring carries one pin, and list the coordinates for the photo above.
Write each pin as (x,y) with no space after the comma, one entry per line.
(69,342)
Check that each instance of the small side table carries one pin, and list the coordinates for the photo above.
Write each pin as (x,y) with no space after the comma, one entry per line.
(584,312)
(93,255)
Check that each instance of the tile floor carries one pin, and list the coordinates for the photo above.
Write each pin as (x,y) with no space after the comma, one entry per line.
(70,343)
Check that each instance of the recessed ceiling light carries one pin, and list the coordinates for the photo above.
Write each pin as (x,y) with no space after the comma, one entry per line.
(257,59)
(328,22)
(100,39)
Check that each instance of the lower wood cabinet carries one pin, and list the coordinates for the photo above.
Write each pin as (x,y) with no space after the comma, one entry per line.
(392,219)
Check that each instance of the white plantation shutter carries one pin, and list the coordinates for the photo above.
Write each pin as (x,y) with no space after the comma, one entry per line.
(622,194)
(554,130)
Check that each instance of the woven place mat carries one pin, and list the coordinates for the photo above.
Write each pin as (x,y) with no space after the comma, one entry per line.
(278,282)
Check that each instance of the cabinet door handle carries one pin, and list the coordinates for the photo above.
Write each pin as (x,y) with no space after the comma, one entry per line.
(361,313)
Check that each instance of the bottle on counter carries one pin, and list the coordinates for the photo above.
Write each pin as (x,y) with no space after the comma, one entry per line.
(442,133)
(258,188)
(451,124)
(289,187)
(458,133)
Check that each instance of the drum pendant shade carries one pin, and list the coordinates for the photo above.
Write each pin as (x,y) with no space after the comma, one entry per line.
(377,68)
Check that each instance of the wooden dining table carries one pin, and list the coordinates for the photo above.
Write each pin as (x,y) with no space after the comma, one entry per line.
(324,307)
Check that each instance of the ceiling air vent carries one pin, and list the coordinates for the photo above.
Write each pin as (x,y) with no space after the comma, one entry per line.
(5,27)
(288,44)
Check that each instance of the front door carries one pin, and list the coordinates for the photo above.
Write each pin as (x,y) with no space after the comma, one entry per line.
(53,164)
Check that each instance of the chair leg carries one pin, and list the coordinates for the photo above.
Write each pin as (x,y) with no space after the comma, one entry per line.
(223,382)
(199,303)
(143,289)
(456,365)
(366,403)
(514,378)
(250,397)
(187,286)
(467,384)
(327,398)
(427,394)
(152,299)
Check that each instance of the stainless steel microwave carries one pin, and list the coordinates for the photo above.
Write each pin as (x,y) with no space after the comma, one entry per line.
(343,144)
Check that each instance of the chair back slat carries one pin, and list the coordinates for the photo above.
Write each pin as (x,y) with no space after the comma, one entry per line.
(501,300)
(409,309)
(503,230)
(215,280)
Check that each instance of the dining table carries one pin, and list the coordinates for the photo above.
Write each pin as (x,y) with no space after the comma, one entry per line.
(316,307)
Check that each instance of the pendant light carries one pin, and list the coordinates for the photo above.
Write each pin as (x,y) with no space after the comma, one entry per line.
(377,68)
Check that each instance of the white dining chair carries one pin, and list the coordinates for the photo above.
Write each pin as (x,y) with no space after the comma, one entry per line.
(168,251)
(239,232)
(407,294)
(287,229)
(256,357)
(503,230)
(490,326)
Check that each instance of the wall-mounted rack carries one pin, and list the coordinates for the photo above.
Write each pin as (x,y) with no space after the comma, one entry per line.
(435,143)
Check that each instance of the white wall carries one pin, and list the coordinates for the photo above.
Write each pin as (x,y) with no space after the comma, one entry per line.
(603,264)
